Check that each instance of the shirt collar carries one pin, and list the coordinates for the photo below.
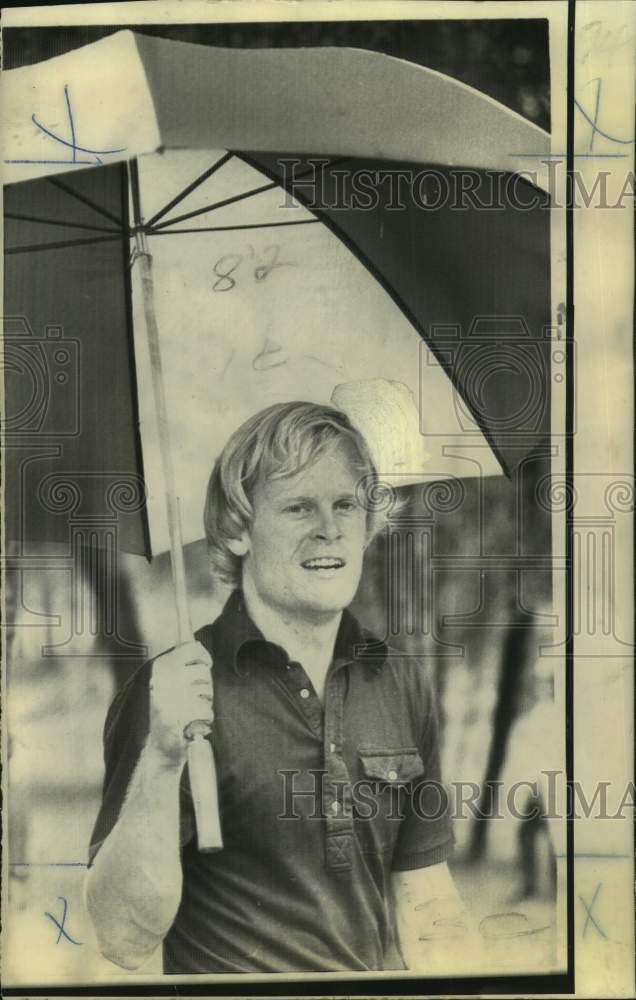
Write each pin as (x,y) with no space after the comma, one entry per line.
(234,629)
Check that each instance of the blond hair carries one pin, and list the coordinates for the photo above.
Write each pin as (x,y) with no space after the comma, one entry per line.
(279,441)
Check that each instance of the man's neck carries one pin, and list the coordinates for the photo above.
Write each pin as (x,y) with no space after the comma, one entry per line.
(309,640)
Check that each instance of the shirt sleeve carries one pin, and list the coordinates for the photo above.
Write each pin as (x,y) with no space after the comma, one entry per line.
(125,733)
(426,836)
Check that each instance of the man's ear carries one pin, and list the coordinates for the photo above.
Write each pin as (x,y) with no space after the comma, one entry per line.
(239,546)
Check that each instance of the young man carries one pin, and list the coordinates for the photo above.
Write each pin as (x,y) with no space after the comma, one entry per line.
(322,738)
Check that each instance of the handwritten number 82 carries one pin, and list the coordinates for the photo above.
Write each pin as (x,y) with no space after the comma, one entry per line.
(226,266)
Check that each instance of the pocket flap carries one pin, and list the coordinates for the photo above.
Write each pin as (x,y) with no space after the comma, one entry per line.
(395,766)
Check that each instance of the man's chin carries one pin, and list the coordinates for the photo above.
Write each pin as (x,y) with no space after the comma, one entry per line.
(332,600)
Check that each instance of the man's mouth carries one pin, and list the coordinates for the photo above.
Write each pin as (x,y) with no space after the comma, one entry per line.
(323,562)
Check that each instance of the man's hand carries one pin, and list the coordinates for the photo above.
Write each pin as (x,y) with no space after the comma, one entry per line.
(180,693)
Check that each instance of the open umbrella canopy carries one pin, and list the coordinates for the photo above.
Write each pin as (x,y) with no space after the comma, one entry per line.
(270,283)
(257,304)
(129,94)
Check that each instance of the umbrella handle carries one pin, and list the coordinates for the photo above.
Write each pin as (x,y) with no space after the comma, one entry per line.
(203,784)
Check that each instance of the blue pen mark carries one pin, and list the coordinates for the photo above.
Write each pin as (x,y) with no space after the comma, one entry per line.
(596,855)
(594,121)
(72,145)
(563,156)
(48,864)
(589,918)
(60,926)
(596,130)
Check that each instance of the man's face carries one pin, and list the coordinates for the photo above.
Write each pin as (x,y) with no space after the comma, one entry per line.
(307,539)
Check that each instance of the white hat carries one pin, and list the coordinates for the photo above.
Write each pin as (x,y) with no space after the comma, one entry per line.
(386,415)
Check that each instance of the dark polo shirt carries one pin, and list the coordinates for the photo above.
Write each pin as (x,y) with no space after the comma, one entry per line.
(319,805)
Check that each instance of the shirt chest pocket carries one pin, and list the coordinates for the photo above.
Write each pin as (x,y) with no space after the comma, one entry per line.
(395,766)
(382,795)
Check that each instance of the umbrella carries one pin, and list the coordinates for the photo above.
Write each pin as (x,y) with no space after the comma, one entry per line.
(449,299)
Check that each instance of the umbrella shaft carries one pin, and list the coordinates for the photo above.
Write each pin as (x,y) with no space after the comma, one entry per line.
(184,625)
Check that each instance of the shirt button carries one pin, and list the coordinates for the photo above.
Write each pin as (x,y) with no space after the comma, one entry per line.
(332,748)
(304,693)
(392,775)
(335,807)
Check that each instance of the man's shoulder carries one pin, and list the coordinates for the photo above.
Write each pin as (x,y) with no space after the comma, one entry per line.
(410,670)
(397,665)
(225,634)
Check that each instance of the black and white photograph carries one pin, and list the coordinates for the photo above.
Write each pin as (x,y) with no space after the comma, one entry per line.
(289,522)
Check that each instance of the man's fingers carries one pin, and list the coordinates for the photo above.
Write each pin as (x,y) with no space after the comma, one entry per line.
(197,673)
(205,694)
(196,652)
(191,704)
(180,693)
(195,709)
(195,655)
(181,666)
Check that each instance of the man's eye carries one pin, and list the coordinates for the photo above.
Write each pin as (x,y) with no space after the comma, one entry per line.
(296,508)
(347,505)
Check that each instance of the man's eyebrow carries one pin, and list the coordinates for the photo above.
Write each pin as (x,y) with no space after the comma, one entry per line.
(348,495)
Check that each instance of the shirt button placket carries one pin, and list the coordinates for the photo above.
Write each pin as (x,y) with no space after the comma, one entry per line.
(300,686)
(338,819)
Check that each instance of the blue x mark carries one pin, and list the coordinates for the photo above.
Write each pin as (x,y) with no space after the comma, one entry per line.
(60,926)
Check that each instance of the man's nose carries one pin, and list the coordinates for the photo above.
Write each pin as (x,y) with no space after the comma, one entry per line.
(327,526)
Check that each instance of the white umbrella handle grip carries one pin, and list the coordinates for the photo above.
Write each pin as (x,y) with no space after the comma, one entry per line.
(203,785)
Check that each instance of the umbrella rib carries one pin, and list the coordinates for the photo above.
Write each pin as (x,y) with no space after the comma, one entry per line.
(226,229)
(58,222)
(190,188)
(63,243)
(133,173)
(218,204)
(239,197)
(84,200)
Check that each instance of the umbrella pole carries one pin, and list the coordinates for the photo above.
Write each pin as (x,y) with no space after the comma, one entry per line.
(201,766)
